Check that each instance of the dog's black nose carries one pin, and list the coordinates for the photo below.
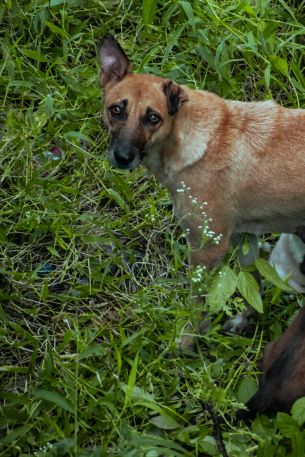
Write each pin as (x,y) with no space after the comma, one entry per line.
(123,158)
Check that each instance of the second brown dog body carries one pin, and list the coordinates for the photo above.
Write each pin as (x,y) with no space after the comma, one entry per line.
(245,160)
(283,372)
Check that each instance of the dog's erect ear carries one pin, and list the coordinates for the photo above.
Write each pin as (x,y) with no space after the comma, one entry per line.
(113,60)
(175,96)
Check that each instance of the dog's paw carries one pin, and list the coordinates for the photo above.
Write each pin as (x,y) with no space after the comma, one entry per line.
(243,323)
(237,324)
(190,333)
(186,343)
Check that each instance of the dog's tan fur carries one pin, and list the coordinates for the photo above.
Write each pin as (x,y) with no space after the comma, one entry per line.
(246,160)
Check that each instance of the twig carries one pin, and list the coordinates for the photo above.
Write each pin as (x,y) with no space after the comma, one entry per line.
(217,429)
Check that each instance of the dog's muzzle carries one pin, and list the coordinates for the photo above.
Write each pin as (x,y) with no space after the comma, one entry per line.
(124,156)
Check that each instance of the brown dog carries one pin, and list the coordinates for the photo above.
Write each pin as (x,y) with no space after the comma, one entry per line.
(246,160)
(243,163)
(283,378)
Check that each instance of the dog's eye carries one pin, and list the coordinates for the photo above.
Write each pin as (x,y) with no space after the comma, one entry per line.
(153,118)
(115,110)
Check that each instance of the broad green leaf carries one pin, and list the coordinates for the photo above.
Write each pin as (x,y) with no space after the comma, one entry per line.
(286,424)
(139,395)
(92,239)
(92,350)
(206,55)
(56,30)
(34,55)
(208,445)
(54,397)
(245,247)
(150,441)
(165,422)
(246,389)
(222,288)
(129,341)
(249,10)
(173,41)
(251,42)
(298,444)
(77,136)
(298,411)
(15,434)
(120,184)
(265,448)
(115,196)
(49,105)
(54,251)
(61,243)
(249,289)
(279,64)
(289,427)
(148,11)
(187,7)
(268,272)
(21,84)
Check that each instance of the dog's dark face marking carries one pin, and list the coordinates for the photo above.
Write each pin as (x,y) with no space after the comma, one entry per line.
(133,124)
(139,109)
(117,111)
(173,95)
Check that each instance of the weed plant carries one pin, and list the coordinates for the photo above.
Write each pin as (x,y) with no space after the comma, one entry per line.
(94,286)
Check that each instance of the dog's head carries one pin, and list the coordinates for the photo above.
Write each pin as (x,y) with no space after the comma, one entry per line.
(139,109)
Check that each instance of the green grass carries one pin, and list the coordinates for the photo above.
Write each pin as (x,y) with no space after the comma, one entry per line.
(93,277)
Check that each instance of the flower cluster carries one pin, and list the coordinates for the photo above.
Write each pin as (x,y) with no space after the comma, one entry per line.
(183,188)
(198,273)
(43,450)
(212,235)
(200,210)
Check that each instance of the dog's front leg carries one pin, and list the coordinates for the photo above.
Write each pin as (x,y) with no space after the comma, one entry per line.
(206,257)
(209,256)
(243,322)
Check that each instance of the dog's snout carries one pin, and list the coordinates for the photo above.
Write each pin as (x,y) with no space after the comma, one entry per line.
(122,158)
(124,155)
